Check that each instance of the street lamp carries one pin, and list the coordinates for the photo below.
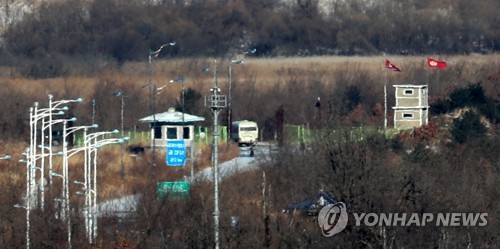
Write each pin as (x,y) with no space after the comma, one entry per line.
(30,178)
(157,52)
(80,183)
(44,112)
(90,177)
(56,174)
(27,208)
(27,201)
(37,114)
(181,80)
(61,214)
(84,148)
(240,59)
(34,189)
(92,218)
(65,175)
(229,103)
(152,94)
(121,95)
(55,104)
(49,125)
(93,111)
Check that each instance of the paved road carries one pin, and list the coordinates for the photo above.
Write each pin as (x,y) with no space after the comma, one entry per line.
(239,164)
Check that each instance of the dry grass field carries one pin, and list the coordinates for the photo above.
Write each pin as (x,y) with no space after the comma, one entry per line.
(260,85)
(262,73)
(266,72)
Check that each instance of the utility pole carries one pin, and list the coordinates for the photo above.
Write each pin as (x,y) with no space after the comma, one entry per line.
(216,102)
(152,93)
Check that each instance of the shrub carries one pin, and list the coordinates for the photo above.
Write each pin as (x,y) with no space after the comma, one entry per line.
(467,127)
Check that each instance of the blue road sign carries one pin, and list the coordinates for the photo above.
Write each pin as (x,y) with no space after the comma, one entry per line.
(176,152)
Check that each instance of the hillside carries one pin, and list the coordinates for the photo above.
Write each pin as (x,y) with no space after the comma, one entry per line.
(448,166)
(54,37)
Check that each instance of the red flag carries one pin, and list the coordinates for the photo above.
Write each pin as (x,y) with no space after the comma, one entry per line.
(391,66)
(438,64)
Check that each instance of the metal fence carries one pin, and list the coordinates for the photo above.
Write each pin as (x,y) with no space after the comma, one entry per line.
(292,134)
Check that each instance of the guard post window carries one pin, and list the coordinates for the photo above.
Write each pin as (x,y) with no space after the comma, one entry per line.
(172,133)
(186,132)
(408,92)
(157,132)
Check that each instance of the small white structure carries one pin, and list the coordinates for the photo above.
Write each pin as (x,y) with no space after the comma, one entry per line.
(412,106)
(171,125)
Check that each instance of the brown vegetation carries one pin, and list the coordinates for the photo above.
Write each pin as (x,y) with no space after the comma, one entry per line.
(419,172)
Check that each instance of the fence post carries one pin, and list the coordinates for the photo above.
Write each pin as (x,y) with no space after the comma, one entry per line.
(298,133)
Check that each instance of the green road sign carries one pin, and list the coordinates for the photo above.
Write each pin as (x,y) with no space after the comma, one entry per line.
(172,189)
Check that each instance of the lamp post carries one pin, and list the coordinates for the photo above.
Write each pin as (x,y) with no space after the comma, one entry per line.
(49,125)
(65,186)
(65,212)
(181,80)
(88,149)
(45,112)
(52,106)
(91,178)
(27,208)
(216,103)
(87,209)
(66,180)
(93,111)
(55,104)
(29,185)
(27,201)
(122,96)
(229,103)
(152,101)
(31,194)
(238,60)
(93,203)
(62,200)
(36,115)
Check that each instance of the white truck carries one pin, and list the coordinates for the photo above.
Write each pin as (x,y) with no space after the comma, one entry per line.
(244,132)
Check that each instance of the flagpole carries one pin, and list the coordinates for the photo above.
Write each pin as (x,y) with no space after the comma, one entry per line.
(385,101)
(426,65)
(438,76)
(392,67)
(385,94)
